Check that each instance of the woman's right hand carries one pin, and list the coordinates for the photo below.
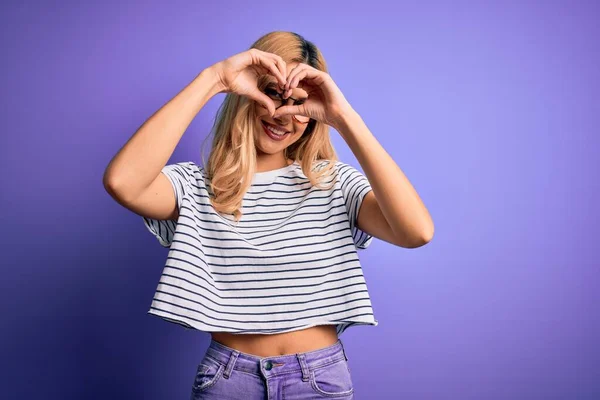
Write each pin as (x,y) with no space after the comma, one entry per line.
(239,74)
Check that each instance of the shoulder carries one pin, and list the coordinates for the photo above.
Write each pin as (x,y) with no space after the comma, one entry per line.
(187,170)
(322,164)
(188,166)
(337,164)
(340,170)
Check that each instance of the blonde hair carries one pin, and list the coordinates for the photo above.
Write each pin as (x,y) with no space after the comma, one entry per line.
(232,161)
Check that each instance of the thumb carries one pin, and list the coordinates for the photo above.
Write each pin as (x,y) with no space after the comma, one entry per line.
(289,110)
(263,100)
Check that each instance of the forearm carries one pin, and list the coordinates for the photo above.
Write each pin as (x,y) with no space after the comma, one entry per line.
(399,202)
(142,158)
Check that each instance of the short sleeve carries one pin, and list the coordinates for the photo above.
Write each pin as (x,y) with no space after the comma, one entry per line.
(354,186)
(181,176)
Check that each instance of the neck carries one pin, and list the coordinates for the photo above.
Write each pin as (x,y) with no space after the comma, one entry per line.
(269,162)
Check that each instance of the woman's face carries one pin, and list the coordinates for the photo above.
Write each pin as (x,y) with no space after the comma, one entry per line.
(267,141)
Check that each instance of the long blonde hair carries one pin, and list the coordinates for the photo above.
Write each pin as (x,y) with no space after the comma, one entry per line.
(232,161)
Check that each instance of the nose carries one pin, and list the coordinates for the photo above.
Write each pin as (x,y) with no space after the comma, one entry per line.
(283,120)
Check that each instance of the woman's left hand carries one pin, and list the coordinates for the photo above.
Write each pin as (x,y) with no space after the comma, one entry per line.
(325,102)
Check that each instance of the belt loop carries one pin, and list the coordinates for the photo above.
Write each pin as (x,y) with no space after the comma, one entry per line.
(304,366)
(343,350)
(232,358)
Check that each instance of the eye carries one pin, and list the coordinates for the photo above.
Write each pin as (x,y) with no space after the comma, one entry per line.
(271,92)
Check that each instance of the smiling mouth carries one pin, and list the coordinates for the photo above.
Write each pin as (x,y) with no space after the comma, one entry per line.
(273,136)
(267,125)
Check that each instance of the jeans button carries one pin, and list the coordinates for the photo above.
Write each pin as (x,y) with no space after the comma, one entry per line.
(268,365)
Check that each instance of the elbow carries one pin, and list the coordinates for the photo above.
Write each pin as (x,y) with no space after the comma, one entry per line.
(108,182)
(112,186)
(420,240)
(428,235)
(414,242)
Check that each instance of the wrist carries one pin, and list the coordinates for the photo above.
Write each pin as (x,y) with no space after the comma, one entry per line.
(345,118)
(213,77)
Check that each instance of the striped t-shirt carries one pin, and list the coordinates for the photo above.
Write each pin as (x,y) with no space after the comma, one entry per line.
(290,263)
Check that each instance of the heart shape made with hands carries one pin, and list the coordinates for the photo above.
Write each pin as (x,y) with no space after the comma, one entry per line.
(324,101)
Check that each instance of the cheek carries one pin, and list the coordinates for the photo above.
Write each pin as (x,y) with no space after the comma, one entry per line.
(260,111)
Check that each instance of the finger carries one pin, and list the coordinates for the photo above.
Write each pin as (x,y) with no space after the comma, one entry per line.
(290,110)
(263,100)
(297,78)
(292,74)
(274,64)
(293,82)
(283,68)
(273,67)
(303,77)
(306,75)
(277,59)
(265,64)
(307,85)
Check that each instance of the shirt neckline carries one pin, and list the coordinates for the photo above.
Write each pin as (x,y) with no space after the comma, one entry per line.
(270,176)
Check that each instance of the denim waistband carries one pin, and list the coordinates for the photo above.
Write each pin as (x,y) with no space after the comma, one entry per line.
(275,365)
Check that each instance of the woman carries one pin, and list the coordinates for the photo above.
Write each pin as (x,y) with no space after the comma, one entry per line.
(263,239)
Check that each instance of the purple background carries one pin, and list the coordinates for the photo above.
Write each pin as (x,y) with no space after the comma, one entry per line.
(491,109)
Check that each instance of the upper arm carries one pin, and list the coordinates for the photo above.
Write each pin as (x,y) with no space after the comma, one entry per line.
(160,203)
(157,201)
(366,218)
(354,186)
(371,219)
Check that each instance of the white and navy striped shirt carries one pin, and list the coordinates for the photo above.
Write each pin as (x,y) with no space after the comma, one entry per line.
(290,263)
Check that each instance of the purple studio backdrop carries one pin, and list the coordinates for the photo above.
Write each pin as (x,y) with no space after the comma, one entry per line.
(490,108)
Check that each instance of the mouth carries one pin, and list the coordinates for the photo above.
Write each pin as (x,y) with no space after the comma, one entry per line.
(274,132)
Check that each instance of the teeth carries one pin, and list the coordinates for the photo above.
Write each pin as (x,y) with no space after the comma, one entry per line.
(279,133)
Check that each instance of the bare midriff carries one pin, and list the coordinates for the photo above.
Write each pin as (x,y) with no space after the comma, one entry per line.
(277,344)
